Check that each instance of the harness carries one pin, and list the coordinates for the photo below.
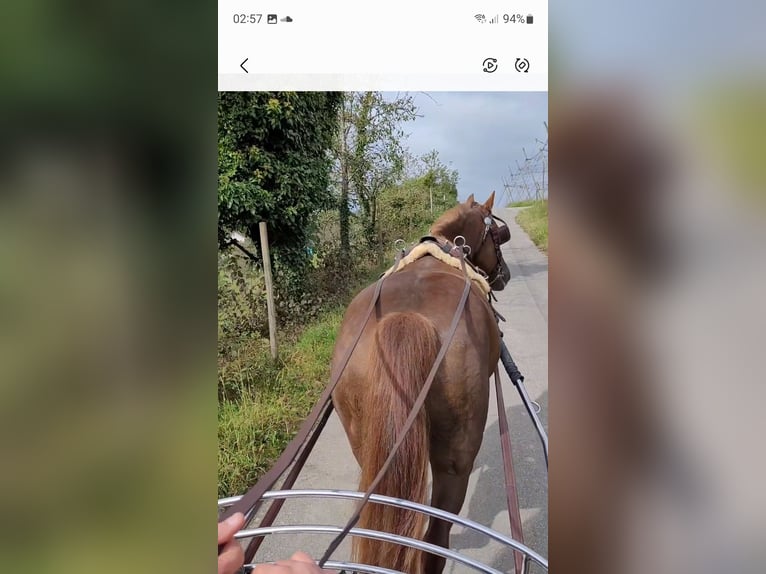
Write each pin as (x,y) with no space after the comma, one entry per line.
(300,447)
(499,236)
(431,247)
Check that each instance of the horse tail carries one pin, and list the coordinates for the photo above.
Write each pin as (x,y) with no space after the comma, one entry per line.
(405,348)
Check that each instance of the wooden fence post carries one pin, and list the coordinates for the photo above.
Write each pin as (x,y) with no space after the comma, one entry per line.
(269,289)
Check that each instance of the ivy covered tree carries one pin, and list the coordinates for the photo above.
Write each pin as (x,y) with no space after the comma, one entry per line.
(274,165)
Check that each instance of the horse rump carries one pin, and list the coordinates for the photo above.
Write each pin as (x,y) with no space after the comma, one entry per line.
(404,350)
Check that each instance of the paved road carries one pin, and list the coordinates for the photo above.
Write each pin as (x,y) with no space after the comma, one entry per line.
(524,303)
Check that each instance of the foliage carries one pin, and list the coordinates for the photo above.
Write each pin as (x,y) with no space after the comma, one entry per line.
(441,182)
(407,210)
(273,165)
(335,269)
(242,311)
(370,155)
(241,296)
(404,212)
(534,220)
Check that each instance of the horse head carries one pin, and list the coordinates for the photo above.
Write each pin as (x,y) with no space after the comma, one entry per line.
(476,223)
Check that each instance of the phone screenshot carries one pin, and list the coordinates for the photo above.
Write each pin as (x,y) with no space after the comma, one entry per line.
(383,286)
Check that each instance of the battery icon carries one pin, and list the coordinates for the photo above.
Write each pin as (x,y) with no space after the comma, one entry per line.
(530,19)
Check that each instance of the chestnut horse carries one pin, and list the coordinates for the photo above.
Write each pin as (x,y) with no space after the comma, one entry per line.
(387,370)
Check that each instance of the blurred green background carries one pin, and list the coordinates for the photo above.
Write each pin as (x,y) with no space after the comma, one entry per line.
(107,286)
(108,253)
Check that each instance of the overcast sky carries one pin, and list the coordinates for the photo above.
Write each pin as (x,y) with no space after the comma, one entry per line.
(661,42)
(480,133)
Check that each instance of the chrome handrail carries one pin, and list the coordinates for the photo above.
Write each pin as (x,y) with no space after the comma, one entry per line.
(372,534)
(344,566)
(400,503)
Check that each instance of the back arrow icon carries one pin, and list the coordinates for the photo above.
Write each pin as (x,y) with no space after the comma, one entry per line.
(242,65)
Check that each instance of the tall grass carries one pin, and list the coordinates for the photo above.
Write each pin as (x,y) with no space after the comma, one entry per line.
(269,402)
(534,220)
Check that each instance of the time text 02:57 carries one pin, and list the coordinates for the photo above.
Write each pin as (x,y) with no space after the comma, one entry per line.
(247,18)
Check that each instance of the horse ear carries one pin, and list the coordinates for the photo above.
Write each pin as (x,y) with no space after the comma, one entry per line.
(489,204)
(469,202)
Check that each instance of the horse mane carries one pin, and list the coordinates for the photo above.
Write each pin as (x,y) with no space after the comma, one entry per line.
(449,219)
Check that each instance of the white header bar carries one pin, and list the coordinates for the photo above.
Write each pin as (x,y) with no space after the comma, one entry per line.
(400,45)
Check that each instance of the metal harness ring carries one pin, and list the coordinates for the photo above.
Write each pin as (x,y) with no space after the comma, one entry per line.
(462,245)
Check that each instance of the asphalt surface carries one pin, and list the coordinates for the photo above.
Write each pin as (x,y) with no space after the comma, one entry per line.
(524,304)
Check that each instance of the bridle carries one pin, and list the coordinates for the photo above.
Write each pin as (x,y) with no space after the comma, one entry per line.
(499,236)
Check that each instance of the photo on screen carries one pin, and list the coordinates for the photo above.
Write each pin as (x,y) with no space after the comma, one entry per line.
(320,196)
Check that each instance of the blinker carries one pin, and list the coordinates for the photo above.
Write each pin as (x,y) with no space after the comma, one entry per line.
(503,234)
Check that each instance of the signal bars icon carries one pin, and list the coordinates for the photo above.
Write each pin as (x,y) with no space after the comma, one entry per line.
(481,18)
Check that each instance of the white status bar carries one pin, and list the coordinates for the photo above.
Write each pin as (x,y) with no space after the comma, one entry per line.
(357,46)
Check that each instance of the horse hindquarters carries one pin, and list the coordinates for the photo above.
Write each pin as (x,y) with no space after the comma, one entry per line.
(405,348)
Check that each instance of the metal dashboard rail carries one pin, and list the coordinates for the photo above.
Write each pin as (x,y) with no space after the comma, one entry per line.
(530,556)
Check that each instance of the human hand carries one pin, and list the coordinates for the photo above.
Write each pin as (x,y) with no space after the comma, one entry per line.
(299,563)
(230,554)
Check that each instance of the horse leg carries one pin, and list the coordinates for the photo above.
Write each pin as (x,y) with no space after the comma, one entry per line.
(347,413)
(351,426)
(449,488)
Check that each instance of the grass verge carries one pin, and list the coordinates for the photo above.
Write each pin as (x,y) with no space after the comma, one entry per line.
(272,401)
(534,220)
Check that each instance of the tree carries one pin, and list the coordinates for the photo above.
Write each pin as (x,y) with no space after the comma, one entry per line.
(343,169)
(274,164)
(441,182)
(370,155)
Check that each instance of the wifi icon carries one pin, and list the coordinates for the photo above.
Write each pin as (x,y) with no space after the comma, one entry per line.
(481,18)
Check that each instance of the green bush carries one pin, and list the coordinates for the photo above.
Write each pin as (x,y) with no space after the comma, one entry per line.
(405,210)
(241,300)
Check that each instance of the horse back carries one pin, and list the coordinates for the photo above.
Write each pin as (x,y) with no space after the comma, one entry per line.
(433,290)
